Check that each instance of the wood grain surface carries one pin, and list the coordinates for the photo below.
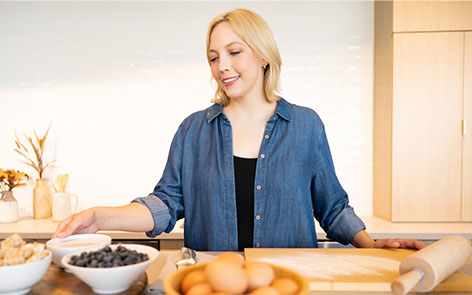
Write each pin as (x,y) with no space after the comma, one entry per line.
(350,269)
(59,282)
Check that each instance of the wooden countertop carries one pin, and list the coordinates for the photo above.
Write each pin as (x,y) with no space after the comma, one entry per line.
(30,228)
(155,268)
(58,281)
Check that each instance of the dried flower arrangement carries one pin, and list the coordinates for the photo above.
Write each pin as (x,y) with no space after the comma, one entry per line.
(9,179)
(38,148)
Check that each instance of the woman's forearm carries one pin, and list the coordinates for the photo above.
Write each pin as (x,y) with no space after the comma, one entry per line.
(362,240)
(132,217)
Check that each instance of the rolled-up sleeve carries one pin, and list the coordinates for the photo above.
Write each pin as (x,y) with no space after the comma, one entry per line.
(166,201)
(345,226)
(159,211)
(330,201)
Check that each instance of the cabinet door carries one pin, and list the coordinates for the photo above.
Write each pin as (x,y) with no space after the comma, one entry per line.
(427,126)
(467,150)
(432,16)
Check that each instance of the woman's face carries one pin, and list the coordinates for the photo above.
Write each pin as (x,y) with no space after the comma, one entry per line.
(234,65)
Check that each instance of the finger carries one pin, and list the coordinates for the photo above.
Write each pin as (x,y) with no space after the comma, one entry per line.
(411,243)
(61,227)
(386,243)
(70,228)
(414,244)
(394,244)
(419,245)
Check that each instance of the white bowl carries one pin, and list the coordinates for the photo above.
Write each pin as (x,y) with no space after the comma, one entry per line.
(111,279)
(19,279)
(73,242)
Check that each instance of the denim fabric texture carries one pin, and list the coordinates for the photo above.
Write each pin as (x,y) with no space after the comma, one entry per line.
(295,181)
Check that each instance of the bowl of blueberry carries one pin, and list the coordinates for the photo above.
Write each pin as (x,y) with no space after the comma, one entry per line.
(110,269)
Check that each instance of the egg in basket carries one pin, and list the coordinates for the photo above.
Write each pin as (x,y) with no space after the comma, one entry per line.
(230,274)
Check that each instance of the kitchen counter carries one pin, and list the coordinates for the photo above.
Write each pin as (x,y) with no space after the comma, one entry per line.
(30,228)
(154,272)
(59,282)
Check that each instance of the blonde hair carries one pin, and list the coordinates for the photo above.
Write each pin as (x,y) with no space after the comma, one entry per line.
(256,33)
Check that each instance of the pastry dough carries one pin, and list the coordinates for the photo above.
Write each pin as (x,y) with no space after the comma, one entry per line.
(13,241)
(15,251)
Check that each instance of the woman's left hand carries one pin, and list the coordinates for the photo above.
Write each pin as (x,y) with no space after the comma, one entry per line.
(399,243)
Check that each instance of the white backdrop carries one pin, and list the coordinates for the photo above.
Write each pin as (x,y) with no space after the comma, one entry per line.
(117,78)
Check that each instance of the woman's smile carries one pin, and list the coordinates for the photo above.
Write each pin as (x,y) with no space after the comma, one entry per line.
(230,80)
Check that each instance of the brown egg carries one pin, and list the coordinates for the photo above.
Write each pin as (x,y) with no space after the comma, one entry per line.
(236,258)
(285,286)
(226,276)
(265,291)
(259,275)
(193,278)
(200,289)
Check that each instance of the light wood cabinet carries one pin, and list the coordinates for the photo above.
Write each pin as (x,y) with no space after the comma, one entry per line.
(431,16)
(467,150)
(422,160)
(427,130)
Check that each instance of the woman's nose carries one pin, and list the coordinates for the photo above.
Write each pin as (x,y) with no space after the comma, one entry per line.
(224,64)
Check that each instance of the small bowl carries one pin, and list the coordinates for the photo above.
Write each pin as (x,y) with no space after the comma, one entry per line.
(75,243)
(19,279)
(111,279)
(173,281)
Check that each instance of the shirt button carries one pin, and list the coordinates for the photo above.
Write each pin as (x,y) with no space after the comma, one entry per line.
(258,217)
(262,156)
(266,136)
(273,118)
(258,187)
(258,245)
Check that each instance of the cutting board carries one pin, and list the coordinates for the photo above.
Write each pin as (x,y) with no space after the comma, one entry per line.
(350,269)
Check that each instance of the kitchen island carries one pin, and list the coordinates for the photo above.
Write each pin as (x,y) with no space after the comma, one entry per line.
(42,229)
(58,281)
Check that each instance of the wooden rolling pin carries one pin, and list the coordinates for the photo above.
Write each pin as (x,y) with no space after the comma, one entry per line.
(428,267)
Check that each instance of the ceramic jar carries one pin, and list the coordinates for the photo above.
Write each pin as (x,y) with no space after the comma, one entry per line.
(42,202)
(8,208)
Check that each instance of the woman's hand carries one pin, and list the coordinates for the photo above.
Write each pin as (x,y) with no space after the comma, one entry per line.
(399,243)
(83,222)
(363,240)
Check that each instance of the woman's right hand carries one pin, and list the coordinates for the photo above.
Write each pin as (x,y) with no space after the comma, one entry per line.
(83,222)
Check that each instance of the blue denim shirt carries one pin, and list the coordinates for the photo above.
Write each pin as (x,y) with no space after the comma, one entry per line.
(295,180)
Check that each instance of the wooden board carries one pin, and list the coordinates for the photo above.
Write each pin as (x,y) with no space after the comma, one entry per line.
(350,269)
(57,281)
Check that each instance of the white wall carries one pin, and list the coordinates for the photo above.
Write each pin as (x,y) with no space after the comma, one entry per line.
(117,78)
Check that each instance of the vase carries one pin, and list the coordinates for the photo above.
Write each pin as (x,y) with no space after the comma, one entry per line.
(8,208)
(42,204)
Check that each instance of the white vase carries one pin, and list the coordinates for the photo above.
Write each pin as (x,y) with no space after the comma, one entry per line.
(8,208)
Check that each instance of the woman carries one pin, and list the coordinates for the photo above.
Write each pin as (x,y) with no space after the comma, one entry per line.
(250,171)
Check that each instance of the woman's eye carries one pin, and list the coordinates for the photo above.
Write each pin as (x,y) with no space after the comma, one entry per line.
(235,52)
(213,59)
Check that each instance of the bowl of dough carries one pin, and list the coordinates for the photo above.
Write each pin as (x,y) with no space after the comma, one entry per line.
(22,265)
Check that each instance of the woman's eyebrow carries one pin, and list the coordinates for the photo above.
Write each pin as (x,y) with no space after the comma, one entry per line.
(228,45)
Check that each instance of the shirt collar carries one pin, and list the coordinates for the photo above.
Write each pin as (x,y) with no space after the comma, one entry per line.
(214,111)
(284,110)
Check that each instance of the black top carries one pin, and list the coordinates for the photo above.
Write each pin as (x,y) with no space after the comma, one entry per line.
(244,176)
